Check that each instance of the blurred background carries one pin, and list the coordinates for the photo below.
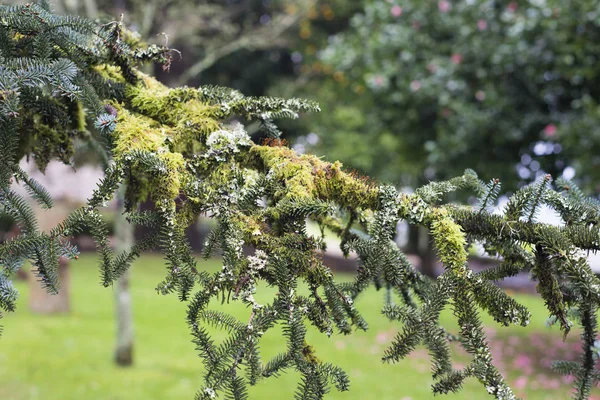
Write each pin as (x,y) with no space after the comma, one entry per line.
(410,91)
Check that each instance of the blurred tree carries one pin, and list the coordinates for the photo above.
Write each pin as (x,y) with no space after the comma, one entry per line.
(495,85)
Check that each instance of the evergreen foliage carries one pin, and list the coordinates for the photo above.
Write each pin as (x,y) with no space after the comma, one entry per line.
(468,76)
(64,80)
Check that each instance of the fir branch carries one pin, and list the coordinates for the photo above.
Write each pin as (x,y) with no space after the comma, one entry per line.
(65,79)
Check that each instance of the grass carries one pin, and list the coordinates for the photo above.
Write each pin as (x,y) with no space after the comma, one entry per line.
(70,356)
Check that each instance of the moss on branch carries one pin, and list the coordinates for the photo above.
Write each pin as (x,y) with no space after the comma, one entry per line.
(307,176)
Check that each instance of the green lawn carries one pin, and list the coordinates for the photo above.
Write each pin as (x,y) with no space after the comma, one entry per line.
(70,357)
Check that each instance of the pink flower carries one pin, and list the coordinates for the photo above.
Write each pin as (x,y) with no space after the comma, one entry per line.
(382,337)
(482,24)
(415,86)
(444,6)
(456,58)
(520,382)
(553,384)
(396,11)
(431,68)
(550,130)
(512,6)
(378,80)
(522,361)
(480,95)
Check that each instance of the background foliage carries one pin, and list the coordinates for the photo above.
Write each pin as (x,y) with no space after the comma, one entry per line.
(499,86)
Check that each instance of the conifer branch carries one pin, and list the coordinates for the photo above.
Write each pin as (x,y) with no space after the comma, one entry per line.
(64,79)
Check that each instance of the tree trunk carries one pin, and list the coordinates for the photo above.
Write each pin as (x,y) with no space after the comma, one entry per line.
(412,241)
(41,302)
(123,308)
(427,254)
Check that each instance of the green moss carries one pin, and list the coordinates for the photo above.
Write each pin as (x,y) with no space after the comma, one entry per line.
(139,133)
(307,176)
(110,72)
(310,354)
(80,121)
(347,189)
(294,170)
(165,122)
(47,143)
(252,227)
(447,234)
(170,186)
(449,239)
(180,108)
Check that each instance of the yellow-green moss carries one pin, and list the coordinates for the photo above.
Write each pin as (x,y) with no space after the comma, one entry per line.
(310,354)
(345,188)
(137,132)
(447,234)
(449,239)
(169,186)
(296,171)
(252,227)
(110,72)
(165,122)
(307,176)
(180,108)
(81,122)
